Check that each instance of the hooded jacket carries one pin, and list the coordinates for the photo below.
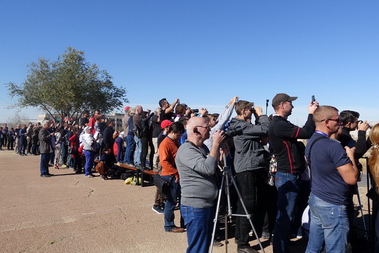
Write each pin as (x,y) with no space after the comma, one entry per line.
(249,152)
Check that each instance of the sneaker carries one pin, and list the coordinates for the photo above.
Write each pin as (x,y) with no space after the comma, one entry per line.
(299,234)
(157,209)
(217,243)
(45,175)
(89,176)
(64,166)
(246,249)
(265,236)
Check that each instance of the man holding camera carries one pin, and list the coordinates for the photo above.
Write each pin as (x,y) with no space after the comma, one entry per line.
(197,167)
(350,122)
(250,164)
(289,154)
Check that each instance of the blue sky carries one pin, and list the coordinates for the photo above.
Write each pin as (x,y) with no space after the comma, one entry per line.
(205,52)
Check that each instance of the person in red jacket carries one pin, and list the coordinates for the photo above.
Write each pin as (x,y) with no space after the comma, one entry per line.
(92,121)
(76,154)
(167,153)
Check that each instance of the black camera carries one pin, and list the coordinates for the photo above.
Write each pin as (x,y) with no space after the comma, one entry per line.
(233,132)
(195,110)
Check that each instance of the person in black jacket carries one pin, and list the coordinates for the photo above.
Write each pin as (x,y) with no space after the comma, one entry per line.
(289,153)
(146,140)
(108,140)
(351,123)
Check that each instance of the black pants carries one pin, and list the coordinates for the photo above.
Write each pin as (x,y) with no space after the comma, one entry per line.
(10,143)
(146,143)
(270,195)
(251,185)
(4,141)
(35,146)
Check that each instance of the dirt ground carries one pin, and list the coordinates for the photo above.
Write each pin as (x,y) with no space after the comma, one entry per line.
(71,213)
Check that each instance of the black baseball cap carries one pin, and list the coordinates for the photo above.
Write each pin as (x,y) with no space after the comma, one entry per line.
(280,98)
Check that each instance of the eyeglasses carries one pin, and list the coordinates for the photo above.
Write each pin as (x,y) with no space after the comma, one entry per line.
(204,127)
(336,120)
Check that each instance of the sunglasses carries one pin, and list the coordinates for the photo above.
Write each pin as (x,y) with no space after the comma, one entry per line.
(336,120)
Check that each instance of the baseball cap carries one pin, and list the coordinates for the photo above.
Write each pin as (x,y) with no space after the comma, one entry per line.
(127,108)
(166,123)
(280,98)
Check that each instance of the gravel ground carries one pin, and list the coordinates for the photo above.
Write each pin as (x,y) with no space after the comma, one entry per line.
(71,213)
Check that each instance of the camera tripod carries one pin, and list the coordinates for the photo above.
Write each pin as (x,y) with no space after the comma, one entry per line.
(227,177)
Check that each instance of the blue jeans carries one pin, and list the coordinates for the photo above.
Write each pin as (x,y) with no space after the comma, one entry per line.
(126,149)
(329,222)
(137,154)
(44,165)
(287,185)
(90,158)
(171,201)
(130,146)
(64,150)
(198,223)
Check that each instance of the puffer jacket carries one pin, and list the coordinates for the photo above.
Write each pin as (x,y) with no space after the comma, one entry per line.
(87,141)
(249,152)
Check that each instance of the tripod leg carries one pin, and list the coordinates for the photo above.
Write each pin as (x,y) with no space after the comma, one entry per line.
(360,207)
(216,215)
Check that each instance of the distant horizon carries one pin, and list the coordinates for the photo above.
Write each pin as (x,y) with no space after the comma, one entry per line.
(298,116)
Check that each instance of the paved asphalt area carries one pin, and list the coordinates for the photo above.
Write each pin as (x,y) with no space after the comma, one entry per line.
(71,213)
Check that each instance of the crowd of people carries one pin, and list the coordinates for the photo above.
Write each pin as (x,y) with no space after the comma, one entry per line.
(188,146)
